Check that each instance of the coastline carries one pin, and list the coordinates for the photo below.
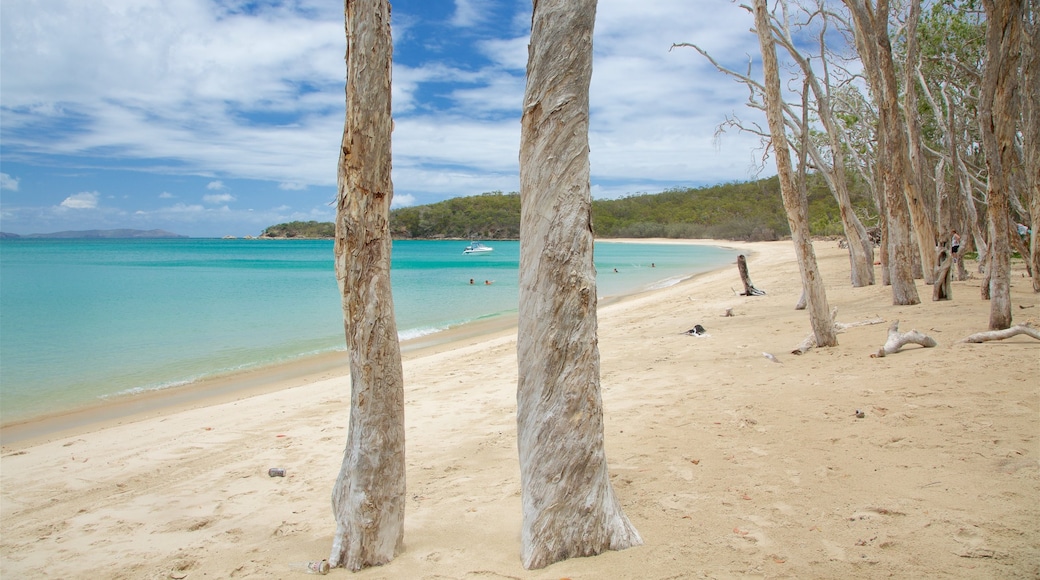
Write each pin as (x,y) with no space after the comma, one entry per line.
(254,381)
(728,464)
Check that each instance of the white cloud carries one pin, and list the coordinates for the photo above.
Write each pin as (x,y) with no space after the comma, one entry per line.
(166,195)
(217,198)
(8,182)
(402,200)
(468,13)
(82,200)
(190,88)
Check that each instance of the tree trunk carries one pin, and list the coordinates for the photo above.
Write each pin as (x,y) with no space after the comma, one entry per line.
(569,506)
(795,203)
(1030,94)
(875,51)
(745,278)
(998,115)
(921,198)
(368,499)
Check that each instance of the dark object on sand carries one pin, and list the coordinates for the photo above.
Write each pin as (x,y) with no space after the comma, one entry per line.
(697,330)
(276,472)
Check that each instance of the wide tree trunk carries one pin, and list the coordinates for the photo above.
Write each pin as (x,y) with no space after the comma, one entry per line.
(368,498)
(795,202)
(998,114)
(569,505)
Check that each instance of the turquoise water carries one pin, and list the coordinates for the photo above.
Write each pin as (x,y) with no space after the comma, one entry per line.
(87,319)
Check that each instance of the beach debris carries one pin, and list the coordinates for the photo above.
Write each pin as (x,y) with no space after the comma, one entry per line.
(728,314)
(697,330)
(311,567)
(749,288)
(859,414)
(276,472)
(897,340)
(1025,329)
(810,340)
(771,357)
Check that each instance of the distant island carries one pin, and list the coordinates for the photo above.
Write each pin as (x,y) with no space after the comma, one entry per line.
(748,211)
(99,234)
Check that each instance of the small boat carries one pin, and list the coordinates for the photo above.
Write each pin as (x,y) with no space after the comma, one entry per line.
(477,248)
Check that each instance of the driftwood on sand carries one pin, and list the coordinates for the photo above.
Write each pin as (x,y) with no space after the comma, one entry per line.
(810,341)
(897,340)
(749,288)
(1002,334)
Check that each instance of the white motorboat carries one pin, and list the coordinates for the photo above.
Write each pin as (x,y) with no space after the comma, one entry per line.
(477,248)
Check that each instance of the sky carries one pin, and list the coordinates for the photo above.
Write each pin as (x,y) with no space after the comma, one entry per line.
(210,118)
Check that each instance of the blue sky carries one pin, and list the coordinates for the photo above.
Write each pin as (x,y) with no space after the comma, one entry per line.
(222,117)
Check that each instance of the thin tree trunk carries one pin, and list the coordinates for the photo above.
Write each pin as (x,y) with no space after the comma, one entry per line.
(1030,93)
(998,115)
(569,505)
(368,498)
(795,203)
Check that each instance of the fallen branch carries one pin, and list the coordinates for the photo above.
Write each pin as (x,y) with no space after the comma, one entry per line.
(897,341)
(1002,334)
(810,341)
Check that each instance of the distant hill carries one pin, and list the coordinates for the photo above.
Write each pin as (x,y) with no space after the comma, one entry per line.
(750,210)
(308,230)
(100,234)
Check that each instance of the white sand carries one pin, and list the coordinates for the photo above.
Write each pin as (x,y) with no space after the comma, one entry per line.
(730,465)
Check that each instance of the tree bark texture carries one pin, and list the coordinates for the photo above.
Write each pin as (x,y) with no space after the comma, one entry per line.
(998,114)
(569,506)
(875,51)
(368,498)
(1030,92)
(795,202)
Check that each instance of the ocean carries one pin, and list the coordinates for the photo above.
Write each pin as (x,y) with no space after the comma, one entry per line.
(85,320)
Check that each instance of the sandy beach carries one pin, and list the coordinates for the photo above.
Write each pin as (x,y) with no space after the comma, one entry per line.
(729,464)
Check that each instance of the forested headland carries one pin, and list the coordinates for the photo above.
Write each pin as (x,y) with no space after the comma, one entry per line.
(751,211)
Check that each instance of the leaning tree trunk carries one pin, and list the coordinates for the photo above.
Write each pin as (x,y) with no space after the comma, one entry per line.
(875,50)
(997,117)
(368,499)
(569,506)
(795,203)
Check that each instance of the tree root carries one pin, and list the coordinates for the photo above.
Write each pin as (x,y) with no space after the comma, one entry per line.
(1002,334)
(897,341)
(810,341)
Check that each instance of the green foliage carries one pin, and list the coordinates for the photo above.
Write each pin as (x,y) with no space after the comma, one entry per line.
(311,229)
(489,216)
(739,211)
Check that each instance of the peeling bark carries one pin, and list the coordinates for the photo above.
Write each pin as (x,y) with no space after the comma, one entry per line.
(569,505)
(368,498)
(795,203)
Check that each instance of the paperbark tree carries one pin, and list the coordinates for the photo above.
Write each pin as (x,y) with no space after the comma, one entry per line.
(998,114)
(795,202)
(1030,92)
(368,498)
(875,50)
(569,505)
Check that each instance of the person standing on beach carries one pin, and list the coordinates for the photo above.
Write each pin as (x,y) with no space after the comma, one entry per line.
(955,244)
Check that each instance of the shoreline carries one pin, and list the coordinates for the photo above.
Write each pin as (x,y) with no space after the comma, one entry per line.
(733,457)
(243,384)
